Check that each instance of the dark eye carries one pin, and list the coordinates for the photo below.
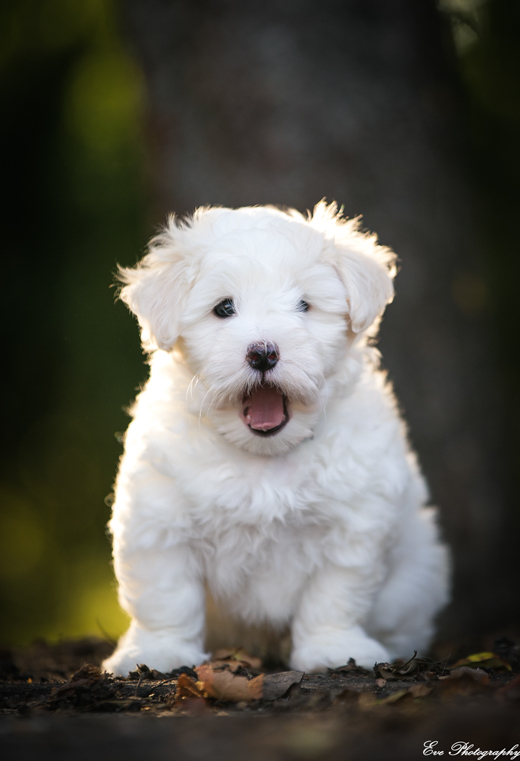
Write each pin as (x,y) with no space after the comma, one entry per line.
(303,306)
(226,308)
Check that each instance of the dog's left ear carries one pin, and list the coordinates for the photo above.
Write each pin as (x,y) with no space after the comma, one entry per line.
(366,269)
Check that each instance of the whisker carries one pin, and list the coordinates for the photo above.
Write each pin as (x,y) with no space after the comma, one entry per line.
(202,405)
(210,404)
(192,387)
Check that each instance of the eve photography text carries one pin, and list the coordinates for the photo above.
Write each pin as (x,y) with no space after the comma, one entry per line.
(461,748)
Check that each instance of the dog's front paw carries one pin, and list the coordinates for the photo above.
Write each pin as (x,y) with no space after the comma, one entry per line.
(333,650)
(159,650)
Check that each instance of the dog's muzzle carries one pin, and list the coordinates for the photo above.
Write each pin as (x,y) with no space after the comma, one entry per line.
(264,409)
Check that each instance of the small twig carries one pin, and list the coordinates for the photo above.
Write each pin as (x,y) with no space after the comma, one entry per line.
(105,634)
(165,681)
(401,670)
(141,677)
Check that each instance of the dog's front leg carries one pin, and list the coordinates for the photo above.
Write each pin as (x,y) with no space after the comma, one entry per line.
(160,589)
(327,628)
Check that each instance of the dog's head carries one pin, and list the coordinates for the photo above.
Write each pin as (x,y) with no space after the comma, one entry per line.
(263,306)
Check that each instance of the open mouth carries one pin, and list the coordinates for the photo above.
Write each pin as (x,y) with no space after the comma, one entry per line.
(264,410)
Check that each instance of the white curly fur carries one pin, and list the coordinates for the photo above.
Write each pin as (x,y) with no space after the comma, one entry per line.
(323,526)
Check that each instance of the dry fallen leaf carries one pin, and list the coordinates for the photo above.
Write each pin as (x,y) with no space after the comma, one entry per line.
(222,684)
(187,688)
(485,660)
(371,700)
(352,669)
(231,665)
(189,697)
(462,681)
(87,671)
(278,685)
(407,671)
(240,655)
(473,674)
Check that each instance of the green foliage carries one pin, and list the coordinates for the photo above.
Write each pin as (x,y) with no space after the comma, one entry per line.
(71,102)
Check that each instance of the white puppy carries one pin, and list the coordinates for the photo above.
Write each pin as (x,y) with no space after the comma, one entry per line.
(266,459)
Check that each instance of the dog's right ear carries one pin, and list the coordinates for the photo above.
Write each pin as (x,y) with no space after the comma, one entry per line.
(155,290)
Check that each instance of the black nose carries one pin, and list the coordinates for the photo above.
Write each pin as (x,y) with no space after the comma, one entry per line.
(262,356)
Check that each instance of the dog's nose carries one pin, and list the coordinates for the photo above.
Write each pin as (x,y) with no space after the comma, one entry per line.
(262,356)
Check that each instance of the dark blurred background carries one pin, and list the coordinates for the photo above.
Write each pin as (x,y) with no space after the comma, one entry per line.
(113,114)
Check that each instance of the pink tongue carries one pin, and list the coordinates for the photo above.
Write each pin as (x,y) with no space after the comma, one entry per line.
(264,408)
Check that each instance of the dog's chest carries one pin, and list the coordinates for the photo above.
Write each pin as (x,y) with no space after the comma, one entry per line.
(227,489)
(259,568)
(255,517)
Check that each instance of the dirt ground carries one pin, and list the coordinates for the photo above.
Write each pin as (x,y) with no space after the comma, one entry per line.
(55,703)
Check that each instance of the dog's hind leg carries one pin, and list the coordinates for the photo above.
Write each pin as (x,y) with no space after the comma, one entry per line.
(402,617)
(327,629)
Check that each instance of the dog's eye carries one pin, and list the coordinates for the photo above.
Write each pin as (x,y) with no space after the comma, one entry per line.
(226,308)
(303,306)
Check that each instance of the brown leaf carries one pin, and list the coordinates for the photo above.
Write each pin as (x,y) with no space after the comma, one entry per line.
(88,688)
(222,684)
(88,671)
(371,700)
(386,671)
(277,685)
(463,681)
(187,688)
(240,655)
(405,670)
(70,688)
(352,669)
(231,665)
(189,698)
(474,675)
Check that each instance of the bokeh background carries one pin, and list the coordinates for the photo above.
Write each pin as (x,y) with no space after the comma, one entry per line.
(113,114)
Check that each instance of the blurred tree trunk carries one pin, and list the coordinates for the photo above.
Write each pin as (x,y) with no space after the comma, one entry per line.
(288,102)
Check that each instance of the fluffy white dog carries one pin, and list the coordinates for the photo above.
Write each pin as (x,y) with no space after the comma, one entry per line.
(266,459)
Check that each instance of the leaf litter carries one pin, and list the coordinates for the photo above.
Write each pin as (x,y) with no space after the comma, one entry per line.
(47,678)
